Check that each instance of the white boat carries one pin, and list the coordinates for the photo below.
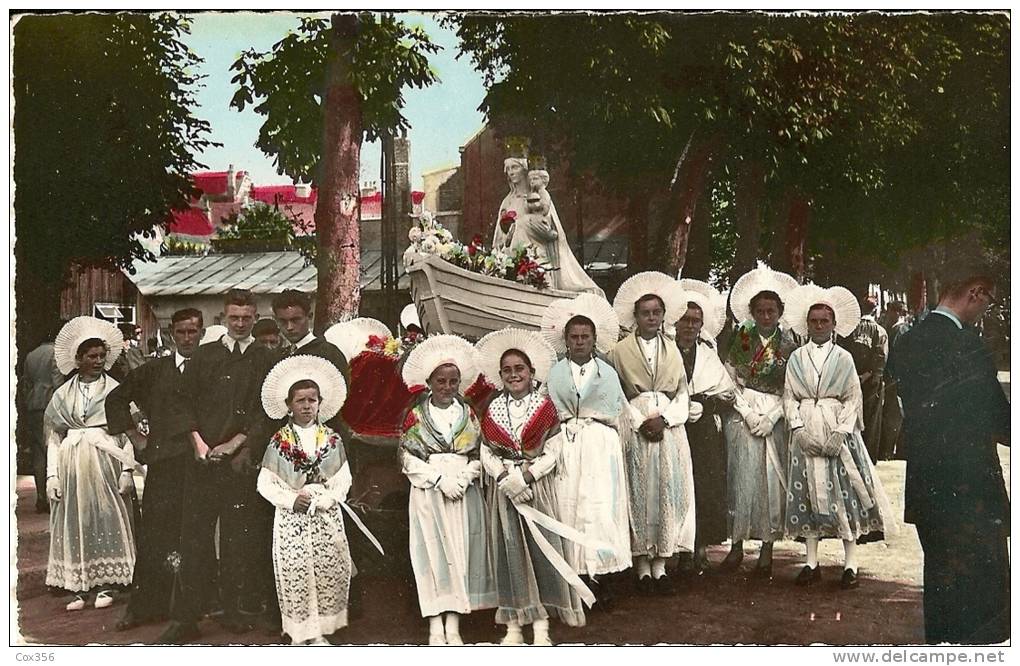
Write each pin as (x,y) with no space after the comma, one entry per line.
(455,300)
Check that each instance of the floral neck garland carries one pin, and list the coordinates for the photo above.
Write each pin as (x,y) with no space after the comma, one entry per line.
(286,442)
(763,365)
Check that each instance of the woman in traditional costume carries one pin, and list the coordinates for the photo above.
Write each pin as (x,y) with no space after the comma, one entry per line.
(591,482)
(439,453)
(88,471)
(834,491)
(522,442)
(657,454)
(305,475)
(711,386)
(757,454)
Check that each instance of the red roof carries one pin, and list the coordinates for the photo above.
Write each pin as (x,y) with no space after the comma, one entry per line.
(371,206)
(221,210)
(214,183)
(191,222)
(282,194)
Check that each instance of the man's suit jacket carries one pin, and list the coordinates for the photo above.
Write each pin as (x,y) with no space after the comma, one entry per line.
(222,392)
(157,389)
(954,409)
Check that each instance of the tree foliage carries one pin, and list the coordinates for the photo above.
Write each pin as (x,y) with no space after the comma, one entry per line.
(287,85)
(892,129)
(104,140)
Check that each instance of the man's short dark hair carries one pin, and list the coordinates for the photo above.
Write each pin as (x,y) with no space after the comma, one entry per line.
(292,298)
(128,330)
(185,314)
(959,288)
(265,326)
(241,297)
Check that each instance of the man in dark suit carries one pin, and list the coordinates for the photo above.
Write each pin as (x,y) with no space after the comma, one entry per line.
(292,310)
(221,391)
(156,389)
(954,414)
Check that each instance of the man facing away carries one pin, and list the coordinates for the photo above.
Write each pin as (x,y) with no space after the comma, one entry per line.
(954,414)
(164,447)
(39,379)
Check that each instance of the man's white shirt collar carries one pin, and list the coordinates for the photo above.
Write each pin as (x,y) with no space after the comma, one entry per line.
(228,342)
(947,313)
(305,340)
(179,360)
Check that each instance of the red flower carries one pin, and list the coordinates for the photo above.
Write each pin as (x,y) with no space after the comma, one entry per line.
(376,341)
(508,216)
(477,240)
(472,250)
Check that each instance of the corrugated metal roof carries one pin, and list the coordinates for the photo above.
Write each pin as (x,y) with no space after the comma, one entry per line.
(261,272)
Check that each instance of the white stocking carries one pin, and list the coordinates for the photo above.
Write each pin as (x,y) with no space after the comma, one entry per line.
(658,568)
(850,551)
(452,628)
(812,551)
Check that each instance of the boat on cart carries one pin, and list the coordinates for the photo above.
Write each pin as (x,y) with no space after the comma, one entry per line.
(455,300)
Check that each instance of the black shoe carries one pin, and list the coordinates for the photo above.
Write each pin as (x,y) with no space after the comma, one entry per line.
(849,580)
(808,576)
(702,566)
(271,623)
(178,633)
(664,586)
(234,624)
(763,572)
(128,621)
(732,562)
(645,587)
(604,598)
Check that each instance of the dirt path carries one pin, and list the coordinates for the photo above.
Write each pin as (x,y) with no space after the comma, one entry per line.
(714,609)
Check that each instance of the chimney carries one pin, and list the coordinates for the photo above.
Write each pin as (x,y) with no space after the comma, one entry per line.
(231,186)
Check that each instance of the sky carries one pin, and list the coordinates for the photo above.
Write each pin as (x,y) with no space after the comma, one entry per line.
(442,117)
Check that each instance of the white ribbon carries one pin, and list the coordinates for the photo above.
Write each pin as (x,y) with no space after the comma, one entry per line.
(362,527)
(533,519)
(99,438)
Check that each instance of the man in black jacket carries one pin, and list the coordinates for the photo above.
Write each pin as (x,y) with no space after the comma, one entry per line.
(954,414)
(156,389)
(221,390)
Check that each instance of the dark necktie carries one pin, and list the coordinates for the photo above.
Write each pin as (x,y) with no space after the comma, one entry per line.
(183,365)
(236,353)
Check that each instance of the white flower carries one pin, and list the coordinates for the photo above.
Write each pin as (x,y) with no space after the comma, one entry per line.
(428,245)
(414,234)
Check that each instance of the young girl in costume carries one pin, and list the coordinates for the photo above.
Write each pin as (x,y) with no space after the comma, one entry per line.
(439,453)
(306,476)
(522,442)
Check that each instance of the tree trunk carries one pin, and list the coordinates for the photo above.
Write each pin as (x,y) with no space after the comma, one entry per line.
(687,192)
(699,248)
(637,232)
(796,234)
(336,214)
(749,192)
